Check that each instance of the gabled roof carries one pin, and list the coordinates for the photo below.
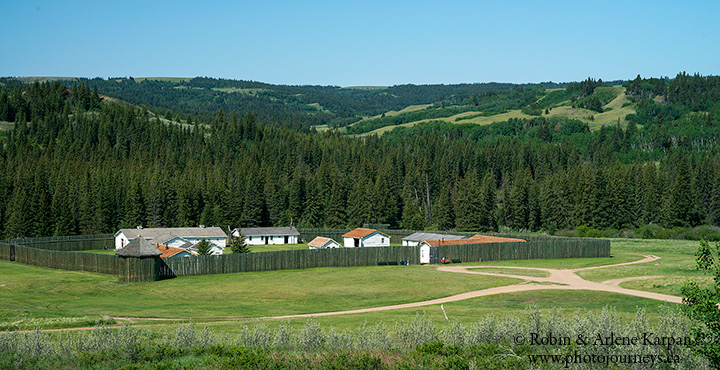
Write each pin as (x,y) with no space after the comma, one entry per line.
(183,232)
(168,251)
(320,241)
(138,247)
(163,239)
(475,239)
(361,233)
(259,231)
(418,237)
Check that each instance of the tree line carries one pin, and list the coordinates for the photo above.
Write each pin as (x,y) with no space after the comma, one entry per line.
(73,165)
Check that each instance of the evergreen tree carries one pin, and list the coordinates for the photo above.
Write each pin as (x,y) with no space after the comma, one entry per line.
(443,210)
(135,203)
(63,214)
(679,209)
(583,196)
(468,204)
(296,195)
(204,247)
(413,217)
(600,201)
(383,206)
(313,214)
(253,206)
(487,198)
(336,217)
(238,245)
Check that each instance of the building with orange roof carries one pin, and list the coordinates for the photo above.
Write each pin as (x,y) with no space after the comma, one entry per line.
(168,251)
(362,237)
(429,248)
(475,239)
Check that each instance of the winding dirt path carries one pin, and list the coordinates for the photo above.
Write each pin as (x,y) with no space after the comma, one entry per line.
(558,279)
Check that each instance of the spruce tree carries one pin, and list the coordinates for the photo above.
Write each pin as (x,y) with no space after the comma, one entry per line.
(253,206)
(63,214)
(135,206)
(413,217)
(468,204)
(488,202)
(444,217)
(336,217)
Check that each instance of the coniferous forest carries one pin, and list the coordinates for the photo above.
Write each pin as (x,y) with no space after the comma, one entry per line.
(90,156)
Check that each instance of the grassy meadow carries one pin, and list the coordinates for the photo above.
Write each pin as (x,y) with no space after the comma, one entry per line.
(46,298)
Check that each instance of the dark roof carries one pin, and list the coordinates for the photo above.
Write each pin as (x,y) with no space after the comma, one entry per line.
(138,247)
(183,232)
(186,245)
(253,231)
(418,237)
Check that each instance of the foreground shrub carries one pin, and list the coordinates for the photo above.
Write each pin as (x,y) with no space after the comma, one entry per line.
(532,340)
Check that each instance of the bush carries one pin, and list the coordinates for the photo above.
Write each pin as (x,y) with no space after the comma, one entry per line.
(488,343)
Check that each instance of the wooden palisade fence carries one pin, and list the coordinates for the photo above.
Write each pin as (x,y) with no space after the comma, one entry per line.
(56,254)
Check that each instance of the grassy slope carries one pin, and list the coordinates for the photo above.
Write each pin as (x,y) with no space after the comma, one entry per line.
(617,111)
(33,293)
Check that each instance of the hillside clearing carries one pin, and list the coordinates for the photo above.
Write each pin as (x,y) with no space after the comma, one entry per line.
(244,91)
(452,119)
(408,109)
(164,79)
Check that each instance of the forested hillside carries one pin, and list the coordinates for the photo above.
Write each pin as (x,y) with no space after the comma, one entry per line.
(74,163)
(296,107)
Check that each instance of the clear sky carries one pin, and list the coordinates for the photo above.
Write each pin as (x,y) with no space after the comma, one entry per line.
(361,43)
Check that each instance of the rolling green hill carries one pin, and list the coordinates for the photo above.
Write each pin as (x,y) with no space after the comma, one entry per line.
(559,104)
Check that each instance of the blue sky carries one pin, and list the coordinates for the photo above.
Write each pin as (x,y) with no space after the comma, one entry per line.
(361,43)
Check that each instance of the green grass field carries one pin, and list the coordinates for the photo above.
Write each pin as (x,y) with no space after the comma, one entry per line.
(42,297)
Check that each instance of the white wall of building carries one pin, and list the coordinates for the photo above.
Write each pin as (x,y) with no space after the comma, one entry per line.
(425,253)
(372,240)
(349,242)
(121,240)
(375,240)
(219,241)
(271,239)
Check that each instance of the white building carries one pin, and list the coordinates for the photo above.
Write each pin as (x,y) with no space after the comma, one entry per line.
(323,243)
(365,238)
(416,238)
(269,235)
(192,235)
